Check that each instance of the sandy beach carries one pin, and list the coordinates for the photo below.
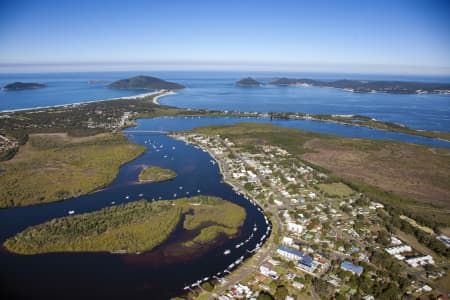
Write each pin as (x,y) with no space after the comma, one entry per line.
(138,96)
(163,93)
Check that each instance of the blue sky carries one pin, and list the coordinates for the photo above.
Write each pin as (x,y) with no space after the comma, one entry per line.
(336,36)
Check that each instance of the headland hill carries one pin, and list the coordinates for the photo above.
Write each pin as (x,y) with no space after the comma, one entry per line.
(359,86)
(145,82)
(19,86)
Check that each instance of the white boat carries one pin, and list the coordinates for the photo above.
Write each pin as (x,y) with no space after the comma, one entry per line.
(226,252)
(71,212)
(140,195)
(198,191)
(127,197)
(113,202)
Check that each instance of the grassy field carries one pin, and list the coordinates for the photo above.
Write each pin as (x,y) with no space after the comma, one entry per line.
(133,227)
(336,189)
(53,167)
(156,174)
(411,178)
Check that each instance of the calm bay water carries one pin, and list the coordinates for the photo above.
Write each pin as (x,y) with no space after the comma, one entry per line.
(216,90)
(187,123)
(158,274)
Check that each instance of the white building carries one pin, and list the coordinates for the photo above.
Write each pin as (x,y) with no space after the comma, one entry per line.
(288,241)
(398,249)
(420,261)
(294,227)
(289,253)
(268,272)
(395,241)
(278,202)
(312,195)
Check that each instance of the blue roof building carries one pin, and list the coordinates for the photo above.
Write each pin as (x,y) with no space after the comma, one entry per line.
(289,253)
(306,260)
(348,266)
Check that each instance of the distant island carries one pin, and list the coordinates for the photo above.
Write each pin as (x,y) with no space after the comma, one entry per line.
(156,174)
(366,86)
(145,82)
(97,81)
(248,81)
(18,86)
(132,227)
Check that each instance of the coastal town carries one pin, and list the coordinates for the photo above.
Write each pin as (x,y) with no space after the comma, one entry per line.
(327,239)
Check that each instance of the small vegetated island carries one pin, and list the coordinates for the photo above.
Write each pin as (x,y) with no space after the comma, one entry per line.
(133,227)
(18,86)
(145,82)
(248,81)
(156,174)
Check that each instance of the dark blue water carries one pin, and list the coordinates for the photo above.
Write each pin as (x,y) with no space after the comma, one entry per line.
(216,90)
(158,274)
(187,123)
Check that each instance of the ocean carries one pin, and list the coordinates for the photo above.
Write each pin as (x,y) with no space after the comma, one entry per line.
(216,90)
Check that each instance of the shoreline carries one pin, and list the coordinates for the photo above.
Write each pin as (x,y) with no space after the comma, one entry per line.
(138,96)
(437,135)
(162,94)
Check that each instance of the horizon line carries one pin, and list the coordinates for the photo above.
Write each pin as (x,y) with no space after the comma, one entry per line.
(312,67)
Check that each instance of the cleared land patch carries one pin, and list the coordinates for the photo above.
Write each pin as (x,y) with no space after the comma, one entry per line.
(336,189)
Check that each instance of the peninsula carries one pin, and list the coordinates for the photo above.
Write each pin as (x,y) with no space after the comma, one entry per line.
(133,227)
(367,86)
(18,86)
(145,82)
